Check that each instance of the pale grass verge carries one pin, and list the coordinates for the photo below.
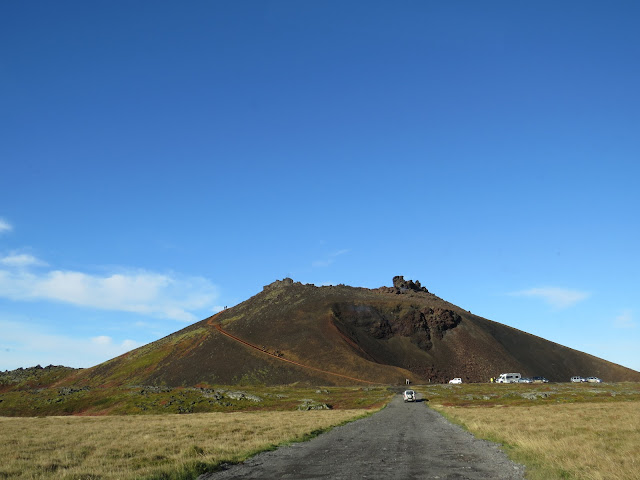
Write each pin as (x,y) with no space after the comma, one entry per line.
(593,441)
(167,446)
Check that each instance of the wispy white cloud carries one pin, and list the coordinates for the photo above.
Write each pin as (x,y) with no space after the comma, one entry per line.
(102,340)
(160,295)
(21,260)
(624,320)
(169,296)
(25,345)
(329,259)
(554,296)
(5,226)
(106,341)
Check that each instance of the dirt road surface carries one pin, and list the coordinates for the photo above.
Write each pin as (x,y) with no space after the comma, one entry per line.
(404,440)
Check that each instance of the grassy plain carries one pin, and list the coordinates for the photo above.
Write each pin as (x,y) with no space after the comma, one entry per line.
(582,431)
(149,446)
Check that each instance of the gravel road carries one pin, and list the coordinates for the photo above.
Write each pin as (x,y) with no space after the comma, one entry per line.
(404,440)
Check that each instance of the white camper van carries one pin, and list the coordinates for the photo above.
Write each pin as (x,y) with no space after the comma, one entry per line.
(509,378)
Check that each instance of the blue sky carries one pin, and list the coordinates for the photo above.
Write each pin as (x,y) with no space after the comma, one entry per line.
(161,160)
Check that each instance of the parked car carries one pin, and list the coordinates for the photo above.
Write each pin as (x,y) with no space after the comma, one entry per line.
(524,380)
(539,380)
(593,380)
(456,380)
(409,396)
(578,379)
(509,378)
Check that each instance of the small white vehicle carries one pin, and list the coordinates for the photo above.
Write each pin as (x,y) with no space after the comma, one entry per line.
(593,380)
(456,380)
(578,379)
(409,396)
(509,378)
(539,380)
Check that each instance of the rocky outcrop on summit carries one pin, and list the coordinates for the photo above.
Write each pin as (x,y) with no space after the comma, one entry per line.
(403,286)
(400,285)
(285,282)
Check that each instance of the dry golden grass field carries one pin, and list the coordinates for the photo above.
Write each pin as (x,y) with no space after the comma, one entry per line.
(157,446)
(577,432)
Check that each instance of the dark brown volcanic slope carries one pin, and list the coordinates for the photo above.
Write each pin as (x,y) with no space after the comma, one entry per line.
(383,335)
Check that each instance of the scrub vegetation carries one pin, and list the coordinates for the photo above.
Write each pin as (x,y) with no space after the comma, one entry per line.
(514,394)
(158,400)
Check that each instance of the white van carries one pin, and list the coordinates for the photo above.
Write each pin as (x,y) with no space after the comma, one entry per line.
(509,378)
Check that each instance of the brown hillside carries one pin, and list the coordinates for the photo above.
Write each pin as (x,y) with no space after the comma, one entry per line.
(344,335)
